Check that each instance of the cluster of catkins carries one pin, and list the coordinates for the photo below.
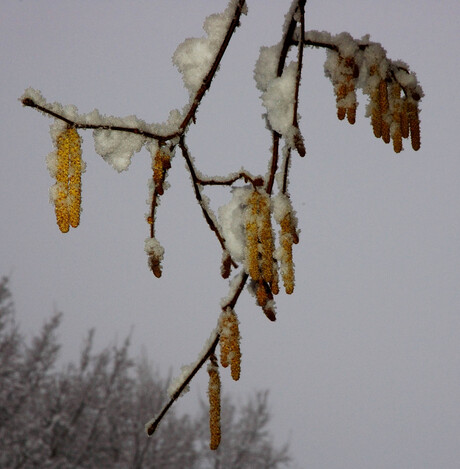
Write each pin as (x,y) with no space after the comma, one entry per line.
(65,165)
(230,355)
(393,90)
(262,260)
(262,263)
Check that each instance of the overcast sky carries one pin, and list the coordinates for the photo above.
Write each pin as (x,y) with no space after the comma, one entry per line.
(363,363)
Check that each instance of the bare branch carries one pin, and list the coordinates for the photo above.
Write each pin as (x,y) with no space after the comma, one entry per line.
(205,209)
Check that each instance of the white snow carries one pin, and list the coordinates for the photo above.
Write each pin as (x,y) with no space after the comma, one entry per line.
(195,56)
(232,221)
(266,66)
(178,381)
(278,99)
(152,246)
(116,147)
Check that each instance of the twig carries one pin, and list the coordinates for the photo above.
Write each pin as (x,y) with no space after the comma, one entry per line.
(256,182)
(190,116)
(78,125)
(210,75)
(153,424)
(199,198)
(287,43)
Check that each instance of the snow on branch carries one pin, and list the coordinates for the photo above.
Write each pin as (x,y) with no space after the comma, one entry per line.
(245,227)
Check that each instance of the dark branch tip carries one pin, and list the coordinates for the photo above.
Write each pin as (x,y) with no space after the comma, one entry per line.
(28,102)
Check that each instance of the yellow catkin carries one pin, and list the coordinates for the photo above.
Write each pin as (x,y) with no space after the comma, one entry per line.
(62,182)
(286,241)
(161,163)
(252,246)
(274,284)
(252,236)
(214,403)
(224,339)
(260,246)
(344,87)
(261,293)
(235,363)
(68,179)
(75,178)
(266,239)
(230,352)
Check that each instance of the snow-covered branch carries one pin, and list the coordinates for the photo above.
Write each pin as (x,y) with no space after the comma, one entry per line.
(245,226)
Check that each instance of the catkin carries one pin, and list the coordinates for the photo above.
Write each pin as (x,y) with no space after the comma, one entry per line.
(344,88)
(404,120)
(161,163)
(286,241)
(68,179)
(259,241)
(383,106)
(252,246)
(214,403)
(414,125)
(75,180)
(266,239)
(229,342)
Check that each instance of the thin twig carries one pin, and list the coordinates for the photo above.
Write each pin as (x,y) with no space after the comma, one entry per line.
(151,427)
(78,125)
(287,43)
(256,182)
(286,171)
(199,197)
(212,71)
(190,116)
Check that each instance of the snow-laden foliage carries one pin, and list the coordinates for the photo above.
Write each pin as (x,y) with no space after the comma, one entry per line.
(88,413)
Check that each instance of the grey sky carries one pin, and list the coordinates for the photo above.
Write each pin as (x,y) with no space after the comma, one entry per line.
(363,363)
